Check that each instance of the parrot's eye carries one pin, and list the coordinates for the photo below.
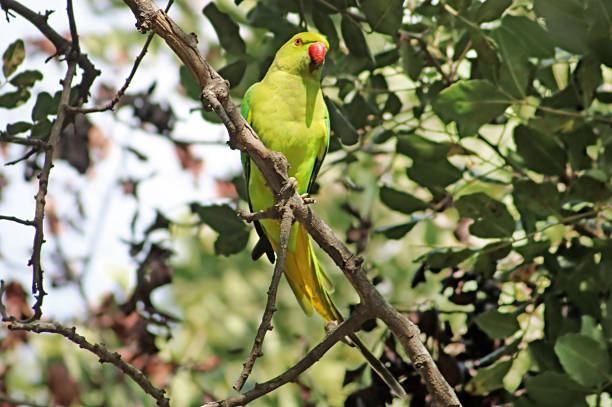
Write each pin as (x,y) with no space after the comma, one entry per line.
(298,42)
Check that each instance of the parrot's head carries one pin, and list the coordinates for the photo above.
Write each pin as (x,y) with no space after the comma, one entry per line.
(303,54)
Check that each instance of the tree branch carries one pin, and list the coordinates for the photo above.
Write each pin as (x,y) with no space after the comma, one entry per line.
(97,349)
(273,166)
(353,323)
(279,269)
(62,45)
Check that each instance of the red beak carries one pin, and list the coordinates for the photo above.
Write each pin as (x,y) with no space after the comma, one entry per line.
(317,53)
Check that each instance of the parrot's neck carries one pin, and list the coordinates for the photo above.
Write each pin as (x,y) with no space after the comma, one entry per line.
(305,87)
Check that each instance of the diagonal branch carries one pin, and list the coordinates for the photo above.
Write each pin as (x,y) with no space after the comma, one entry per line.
(62,45)
(266,321)
(97,349)
(352,324)
(273,166)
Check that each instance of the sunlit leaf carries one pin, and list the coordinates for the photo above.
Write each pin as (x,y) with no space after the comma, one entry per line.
(491,217)
(470,104)
(583,359)
(13,57)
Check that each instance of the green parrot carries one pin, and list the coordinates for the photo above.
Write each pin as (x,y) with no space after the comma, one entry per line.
(288,113)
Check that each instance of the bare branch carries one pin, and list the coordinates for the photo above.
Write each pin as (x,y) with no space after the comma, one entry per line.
(43,182)
(97,349)
(266,320)
(62,45)
(26,222)
(359,316)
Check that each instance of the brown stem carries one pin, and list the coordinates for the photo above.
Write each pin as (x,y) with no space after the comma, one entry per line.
(104,355)
(266,320)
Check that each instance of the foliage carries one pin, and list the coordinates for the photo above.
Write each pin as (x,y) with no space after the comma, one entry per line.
(470,162)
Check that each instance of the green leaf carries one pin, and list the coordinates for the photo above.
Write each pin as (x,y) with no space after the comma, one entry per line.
(222,218)
(524,31)
(26,79)
(444,257)
(41,129)
(11,100)
(433,174)
(393,104)
(491,10)
(489,378)
(520,366)
(343,128)
(488,256)
(589,77)
(383,16)
(552,389)
(189,83)
(583,359)
(233,233)
(18,127)
(231,243)
(565,21)
(542,199)
(386,58)
(470,104)
(353,38)
(589,189)
(233,72)
(543,354)
(45,105)
(421,148)
(326,26)
(532,249)
(515,69)
(590,328)
(227,30)
(13,57)
(491,217)
(542,152)
(396,231)
(497,325)
(401,201)
(411,61)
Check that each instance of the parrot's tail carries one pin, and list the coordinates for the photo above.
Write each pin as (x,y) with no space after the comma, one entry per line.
(308,281)
(311,286)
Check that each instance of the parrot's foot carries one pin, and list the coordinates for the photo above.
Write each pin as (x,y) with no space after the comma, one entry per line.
(269,213)
(289,188)
(308,200)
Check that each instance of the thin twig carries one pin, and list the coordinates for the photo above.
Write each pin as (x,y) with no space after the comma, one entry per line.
(270,213)
(111,105)
(43,182)
(5,138)
(266,320)
(353,323)
(104,355)
(26,222)
(74,35)
(62,45)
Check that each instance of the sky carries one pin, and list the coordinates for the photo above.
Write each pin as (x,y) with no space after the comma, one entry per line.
(97,242)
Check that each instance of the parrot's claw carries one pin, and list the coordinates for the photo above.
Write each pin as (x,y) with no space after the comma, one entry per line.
(308,200)
(289,188)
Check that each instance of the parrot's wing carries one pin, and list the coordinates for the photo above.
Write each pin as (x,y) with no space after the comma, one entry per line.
(263,245)
(320,155)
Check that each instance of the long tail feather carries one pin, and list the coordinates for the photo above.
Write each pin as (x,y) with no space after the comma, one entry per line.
(380,369)
(309,282)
